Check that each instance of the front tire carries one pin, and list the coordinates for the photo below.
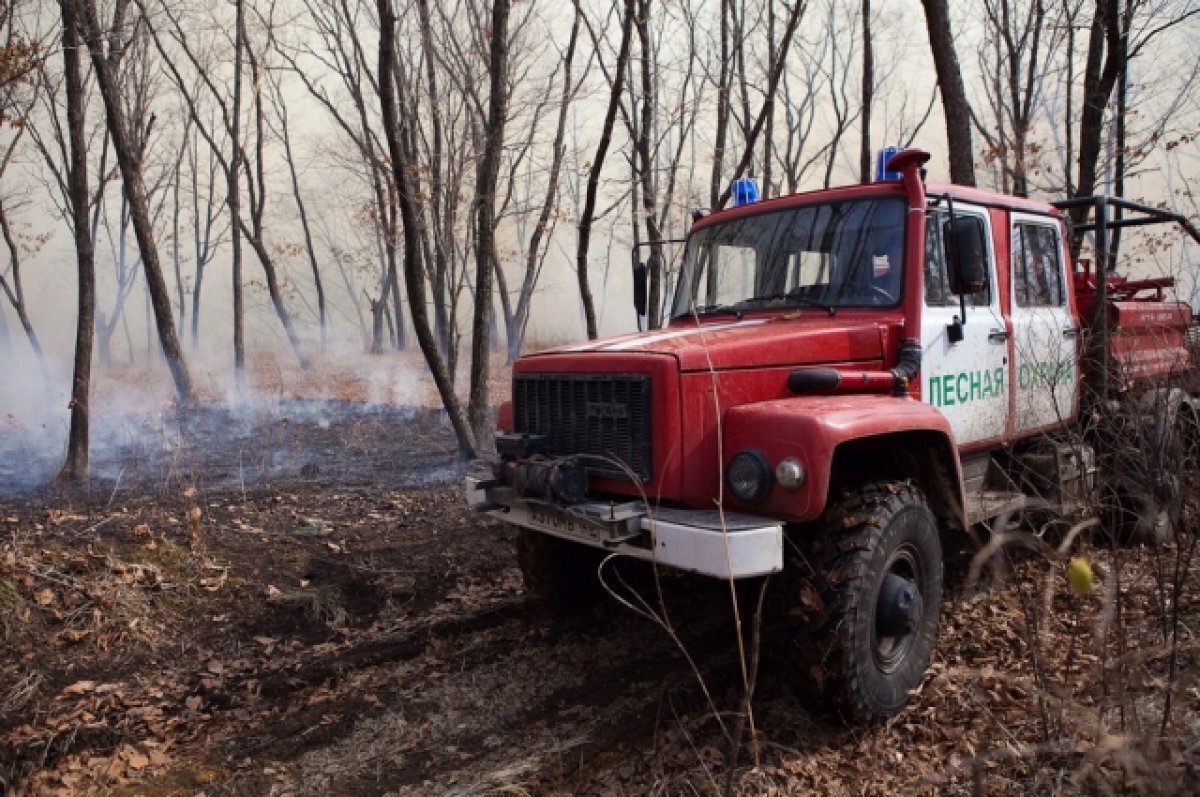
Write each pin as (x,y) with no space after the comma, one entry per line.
(870,592)
(559,575)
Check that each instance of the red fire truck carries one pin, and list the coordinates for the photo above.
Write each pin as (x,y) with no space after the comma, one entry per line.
(850,378)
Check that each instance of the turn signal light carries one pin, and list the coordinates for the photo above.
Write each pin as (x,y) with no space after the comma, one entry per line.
(790,473)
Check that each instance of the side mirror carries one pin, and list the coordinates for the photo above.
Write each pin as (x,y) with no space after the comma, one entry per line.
(968,268)
(639,288)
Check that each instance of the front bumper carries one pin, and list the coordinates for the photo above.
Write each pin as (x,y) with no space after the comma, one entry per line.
(721,545)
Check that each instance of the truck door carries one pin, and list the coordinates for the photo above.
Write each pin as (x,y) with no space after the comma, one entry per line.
(1045,336)
(968,379)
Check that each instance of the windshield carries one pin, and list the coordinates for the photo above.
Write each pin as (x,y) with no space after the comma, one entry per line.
(844,254)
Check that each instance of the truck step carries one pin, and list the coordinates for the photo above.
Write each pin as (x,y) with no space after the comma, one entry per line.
(987,504)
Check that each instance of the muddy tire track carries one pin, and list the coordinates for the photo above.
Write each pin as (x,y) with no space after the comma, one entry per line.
(485,701)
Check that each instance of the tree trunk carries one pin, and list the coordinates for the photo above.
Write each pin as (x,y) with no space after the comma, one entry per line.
(649,101)
(593,183)
(414,281)
(486,261)
(1114,244)
(868,95)
(378,310)
(16,293)
(176,209)
(257,190)
(75,469)
(534,257)
(773,77)
(723,79)
(131,174)
(234,199)
(272,280)
(1101,70)
(954,93)
(769,138)
(304,225)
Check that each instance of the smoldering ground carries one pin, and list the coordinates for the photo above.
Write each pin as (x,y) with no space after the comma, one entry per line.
(350,419)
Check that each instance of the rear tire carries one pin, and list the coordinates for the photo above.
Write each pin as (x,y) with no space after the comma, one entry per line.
(559,575)
(866,595)
(1143,499)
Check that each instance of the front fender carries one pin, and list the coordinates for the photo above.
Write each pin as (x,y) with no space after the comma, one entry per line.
(811,428)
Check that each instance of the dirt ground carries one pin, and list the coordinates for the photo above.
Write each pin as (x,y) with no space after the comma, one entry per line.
(298,602)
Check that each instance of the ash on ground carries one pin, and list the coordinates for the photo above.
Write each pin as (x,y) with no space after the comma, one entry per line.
(217,444)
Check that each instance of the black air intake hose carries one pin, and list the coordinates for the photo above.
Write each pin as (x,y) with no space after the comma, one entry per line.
(907,368)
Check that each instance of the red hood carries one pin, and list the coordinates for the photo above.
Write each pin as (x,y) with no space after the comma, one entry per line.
(754,342)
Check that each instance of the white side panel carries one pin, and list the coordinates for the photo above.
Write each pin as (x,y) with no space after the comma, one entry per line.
(967,380)
(1044,334)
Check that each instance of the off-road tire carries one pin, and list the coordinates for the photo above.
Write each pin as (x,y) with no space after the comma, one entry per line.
(1143,495)
(834,655)
(559,575)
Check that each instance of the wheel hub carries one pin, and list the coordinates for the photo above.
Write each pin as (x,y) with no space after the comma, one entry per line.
(899,607)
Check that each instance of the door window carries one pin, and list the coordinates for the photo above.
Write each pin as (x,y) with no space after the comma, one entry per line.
(1037,265)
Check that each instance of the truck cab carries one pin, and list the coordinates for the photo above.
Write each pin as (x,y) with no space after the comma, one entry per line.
(842,373)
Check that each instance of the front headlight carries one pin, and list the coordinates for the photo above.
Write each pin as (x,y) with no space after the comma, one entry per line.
(748,476)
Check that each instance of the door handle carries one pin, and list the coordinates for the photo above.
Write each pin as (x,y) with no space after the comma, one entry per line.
(997,336)
(1070,332)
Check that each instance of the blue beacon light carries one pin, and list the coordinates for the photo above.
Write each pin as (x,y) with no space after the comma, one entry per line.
(745,191)
(881,159)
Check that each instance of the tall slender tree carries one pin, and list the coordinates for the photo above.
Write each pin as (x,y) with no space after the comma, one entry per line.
(398,136)
(868,94)
(130,164)
(588,214)
(75,469)
(234,195)
(954,92)
(485,222)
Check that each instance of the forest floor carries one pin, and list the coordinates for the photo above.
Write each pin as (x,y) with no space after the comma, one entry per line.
(297,601)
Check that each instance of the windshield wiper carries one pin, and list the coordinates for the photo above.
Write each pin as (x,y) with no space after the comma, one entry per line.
(713,309)
(791,297)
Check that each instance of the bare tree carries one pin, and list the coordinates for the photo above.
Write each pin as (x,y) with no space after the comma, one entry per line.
(335,44)
(642,133)
(10,278)
(587,215)
(19,58)
(954,93)
(284,133)
(485,220)
(14,290)
(868,94)
(397,132)
(535,243)
(75,469)
(1119,33)
(238,165)
(1021,45)
(774,73)
(233,197)
(800,115)
(129,161)
(176,214)
(724,79)
(208,221)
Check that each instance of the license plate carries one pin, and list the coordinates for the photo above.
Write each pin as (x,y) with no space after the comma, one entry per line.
(552,519)
(557,521)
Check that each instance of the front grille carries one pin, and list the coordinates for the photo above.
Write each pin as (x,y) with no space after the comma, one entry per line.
(602,415)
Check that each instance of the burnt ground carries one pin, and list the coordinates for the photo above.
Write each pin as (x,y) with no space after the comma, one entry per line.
(296,601)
